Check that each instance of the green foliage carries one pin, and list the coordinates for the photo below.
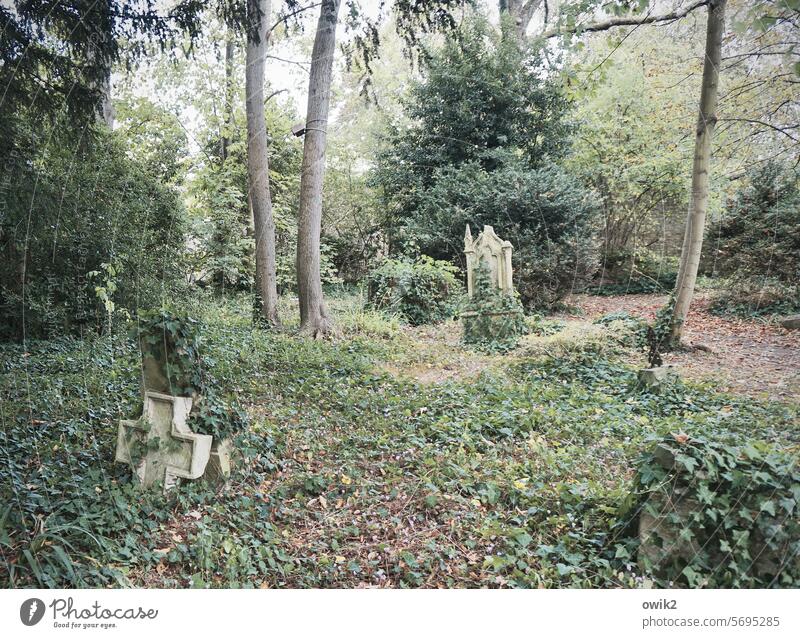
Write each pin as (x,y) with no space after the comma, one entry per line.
(62,53)
(733,521)
(153,135)
(756,297)
(759,232)
(632,152)
(485,130)
(493,320)
(756,242)
(73,209)
(173,340)
(633,272)
(525,465)
(421,291)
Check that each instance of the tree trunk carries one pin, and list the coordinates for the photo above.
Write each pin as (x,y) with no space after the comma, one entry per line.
(258,163)
(228,118)
(521,12)
(695,222)
(314,318)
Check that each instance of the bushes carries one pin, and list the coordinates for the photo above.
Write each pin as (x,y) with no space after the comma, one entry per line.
(759,232)
(719,515)
(756,243)
(627,272)
(74,212)
(486,151)
(421,291)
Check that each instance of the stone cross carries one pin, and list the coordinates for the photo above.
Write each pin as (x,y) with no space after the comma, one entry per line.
(160,446)
(497,254)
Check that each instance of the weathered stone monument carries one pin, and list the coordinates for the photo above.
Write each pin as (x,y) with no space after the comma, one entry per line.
(160,446)
(495,252)
(791,322)
(656,378)
(493,318)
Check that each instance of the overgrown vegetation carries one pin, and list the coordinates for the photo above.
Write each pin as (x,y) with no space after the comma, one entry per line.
(493,319)
(485,137)
(80,208)
(756,244)
(419,292)
(348,475)
(718,513)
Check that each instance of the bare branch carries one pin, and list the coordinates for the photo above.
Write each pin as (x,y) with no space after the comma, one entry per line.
(629,21)
(284,18)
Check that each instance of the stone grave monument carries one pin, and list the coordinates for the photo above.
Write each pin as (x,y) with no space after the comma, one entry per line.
(160,446)
(497,255)
(493,317)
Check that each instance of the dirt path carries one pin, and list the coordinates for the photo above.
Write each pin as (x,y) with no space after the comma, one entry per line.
(747,356)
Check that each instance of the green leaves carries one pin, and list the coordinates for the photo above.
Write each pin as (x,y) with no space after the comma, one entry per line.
(723,502)
(420,292)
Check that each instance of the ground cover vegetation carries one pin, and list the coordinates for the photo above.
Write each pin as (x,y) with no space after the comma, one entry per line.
(521,475)
(301,276)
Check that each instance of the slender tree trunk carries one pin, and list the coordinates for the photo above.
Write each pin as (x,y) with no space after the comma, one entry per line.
(314,318)
(698,205)
(228,118)
(521,12)
(258,163)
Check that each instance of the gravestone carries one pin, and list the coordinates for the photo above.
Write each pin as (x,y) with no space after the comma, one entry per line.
(159,446)
(658,377)
(791,322)
(493,251)
(493,318)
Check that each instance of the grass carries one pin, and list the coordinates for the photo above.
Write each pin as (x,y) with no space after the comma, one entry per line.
(385,457)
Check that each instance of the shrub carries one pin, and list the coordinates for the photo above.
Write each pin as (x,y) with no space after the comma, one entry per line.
(756,297)
(102,225)
(759,232)
(484,152)
(627,272)
(756,243)
(420,292)
(711,514)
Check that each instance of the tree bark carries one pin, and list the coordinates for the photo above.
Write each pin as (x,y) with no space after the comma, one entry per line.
(228,119)
(521,12)
(314,318)
(258,163)
(698,203)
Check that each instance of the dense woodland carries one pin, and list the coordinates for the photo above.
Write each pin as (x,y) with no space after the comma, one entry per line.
(280,192)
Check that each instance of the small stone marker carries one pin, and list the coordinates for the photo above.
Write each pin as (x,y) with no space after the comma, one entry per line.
(654,378)
(791,323)
(496,253)
(160,446)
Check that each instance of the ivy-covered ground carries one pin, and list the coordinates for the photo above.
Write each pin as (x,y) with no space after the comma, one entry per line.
(388,456)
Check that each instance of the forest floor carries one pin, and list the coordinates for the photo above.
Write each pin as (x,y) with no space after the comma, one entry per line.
(387,456)
(749,356)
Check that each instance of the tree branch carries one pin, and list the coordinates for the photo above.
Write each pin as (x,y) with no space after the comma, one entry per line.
(629,21)
(284,18)
(767,124)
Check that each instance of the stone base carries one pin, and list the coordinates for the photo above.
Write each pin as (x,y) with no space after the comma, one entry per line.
(218,469)
(791,323)
(491,326)
(655,378)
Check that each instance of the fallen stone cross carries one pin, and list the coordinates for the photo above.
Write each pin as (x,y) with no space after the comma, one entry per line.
(159,446)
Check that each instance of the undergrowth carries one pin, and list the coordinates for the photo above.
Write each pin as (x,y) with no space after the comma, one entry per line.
(347,475)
